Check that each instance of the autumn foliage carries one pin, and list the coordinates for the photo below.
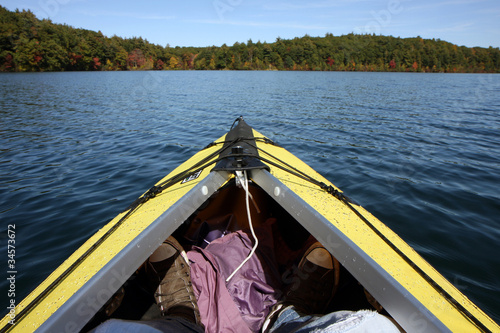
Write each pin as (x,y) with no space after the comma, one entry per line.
(30,44)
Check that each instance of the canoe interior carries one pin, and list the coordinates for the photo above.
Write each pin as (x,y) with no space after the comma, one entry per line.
(135,300)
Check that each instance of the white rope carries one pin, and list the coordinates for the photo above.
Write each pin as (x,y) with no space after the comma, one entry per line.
(244,184)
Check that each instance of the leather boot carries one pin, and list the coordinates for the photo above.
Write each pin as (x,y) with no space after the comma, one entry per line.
(313,285)
(174,294)
(315,281)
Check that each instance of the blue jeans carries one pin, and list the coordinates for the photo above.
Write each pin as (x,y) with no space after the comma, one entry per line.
(290,320)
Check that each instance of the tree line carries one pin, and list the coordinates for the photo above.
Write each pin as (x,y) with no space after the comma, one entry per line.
(28,44)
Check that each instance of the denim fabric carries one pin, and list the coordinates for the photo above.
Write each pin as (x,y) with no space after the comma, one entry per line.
(342,321)
(289,321)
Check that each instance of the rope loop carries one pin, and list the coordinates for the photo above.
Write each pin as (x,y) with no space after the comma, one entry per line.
(153,192)
(333,191)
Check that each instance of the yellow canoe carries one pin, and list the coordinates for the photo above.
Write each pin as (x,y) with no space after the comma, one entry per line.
(89,285)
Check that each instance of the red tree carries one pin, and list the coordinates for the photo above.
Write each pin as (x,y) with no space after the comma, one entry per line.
(97,64)
(74,58)
(136,59)
(159,64)
(9,63)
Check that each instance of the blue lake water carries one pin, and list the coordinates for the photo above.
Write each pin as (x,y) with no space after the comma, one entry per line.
(420,151)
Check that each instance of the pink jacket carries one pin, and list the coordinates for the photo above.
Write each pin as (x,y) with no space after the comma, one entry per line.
(242,304)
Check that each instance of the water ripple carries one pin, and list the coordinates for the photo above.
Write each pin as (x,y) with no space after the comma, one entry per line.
(420,151)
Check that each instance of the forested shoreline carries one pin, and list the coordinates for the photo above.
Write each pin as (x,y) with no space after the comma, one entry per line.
(28,44)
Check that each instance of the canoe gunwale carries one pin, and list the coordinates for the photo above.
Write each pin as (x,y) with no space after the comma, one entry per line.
(400,304)
(116,272)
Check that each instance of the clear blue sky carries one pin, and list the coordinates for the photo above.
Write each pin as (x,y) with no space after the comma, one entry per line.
(215,22)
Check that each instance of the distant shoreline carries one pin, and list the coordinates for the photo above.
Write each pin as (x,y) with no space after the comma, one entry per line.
(232,70)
